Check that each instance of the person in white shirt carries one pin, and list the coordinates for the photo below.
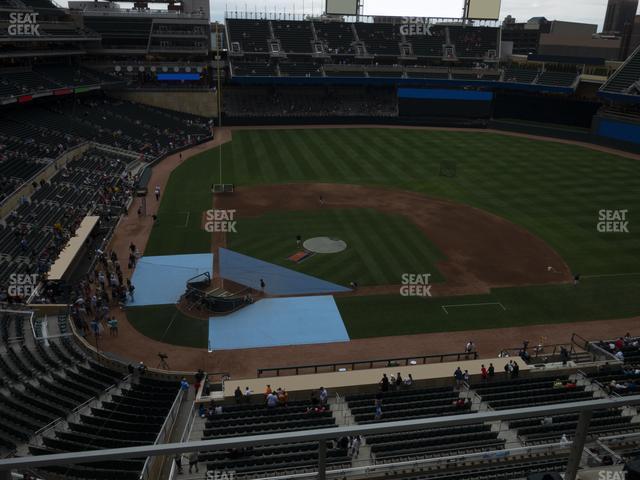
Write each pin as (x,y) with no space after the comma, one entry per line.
(247,394)
(620,356)
(272,400)
(324,395)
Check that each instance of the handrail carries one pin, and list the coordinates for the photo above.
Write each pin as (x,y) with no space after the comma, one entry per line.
(76,409)
(186,432)
(585,342)
(417,463)
(538,352)
(162,434)
(353,364)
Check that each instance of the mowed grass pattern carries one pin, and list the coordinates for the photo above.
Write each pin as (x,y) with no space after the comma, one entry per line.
(380,247)
(552,189)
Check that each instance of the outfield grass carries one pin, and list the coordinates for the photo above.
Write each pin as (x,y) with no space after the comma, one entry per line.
(592,299)
(380,247)
(553,190)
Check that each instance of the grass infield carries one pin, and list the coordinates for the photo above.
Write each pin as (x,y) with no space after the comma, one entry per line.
(380,247)
(553,190)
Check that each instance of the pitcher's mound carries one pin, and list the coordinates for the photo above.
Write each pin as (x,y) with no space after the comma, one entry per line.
(324,245)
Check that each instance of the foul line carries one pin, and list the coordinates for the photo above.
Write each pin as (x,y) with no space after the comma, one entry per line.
(173,317)
(604,275)
(444,307)
(186,222)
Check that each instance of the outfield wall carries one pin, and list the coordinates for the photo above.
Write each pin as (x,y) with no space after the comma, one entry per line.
(203,103)
(444,103)
(544,108)
(618,130)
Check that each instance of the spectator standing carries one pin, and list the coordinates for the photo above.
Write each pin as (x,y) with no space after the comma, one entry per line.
(324,396)
(237,394)
(178,460)
(458,375)
(193,461)
(184,385)
(492,370)
(384,383)
(408,382)
(484,373)
(113,326)
(247,394)
(272,400)
(378,406)
(515,370)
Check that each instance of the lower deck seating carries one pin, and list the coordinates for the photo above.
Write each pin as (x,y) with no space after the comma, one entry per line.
(435,442)
(403,404)
(248,419)
(547,429)
(530,391)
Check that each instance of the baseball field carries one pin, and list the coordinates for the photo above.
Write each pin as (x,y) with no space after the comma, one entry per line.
(502,238)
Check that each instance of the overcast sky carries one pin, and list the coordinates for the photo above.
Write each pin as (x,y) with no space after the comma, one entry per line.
(590,11)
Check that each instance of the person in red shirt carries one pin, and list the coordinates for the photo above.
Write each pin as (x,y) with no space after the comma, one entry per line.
(484,373)
(619,344)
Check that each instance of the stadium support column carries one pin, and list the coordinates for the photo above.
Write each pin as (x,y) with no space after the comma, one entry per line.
(578,444)
(322,460)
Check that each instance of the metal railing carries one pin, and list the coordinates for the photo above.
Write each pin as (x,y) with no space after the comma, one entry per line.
(186,433)
(368,364)
(76,410)
(149,470)
(537,351)
(322,435)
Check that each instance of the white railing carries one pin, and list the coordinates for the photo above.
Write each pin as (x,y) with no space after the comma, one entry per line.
(186,433)
(163,436)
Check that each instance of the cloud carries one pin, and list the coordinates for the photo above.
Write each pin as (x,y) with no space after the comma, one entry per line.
(589,11)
